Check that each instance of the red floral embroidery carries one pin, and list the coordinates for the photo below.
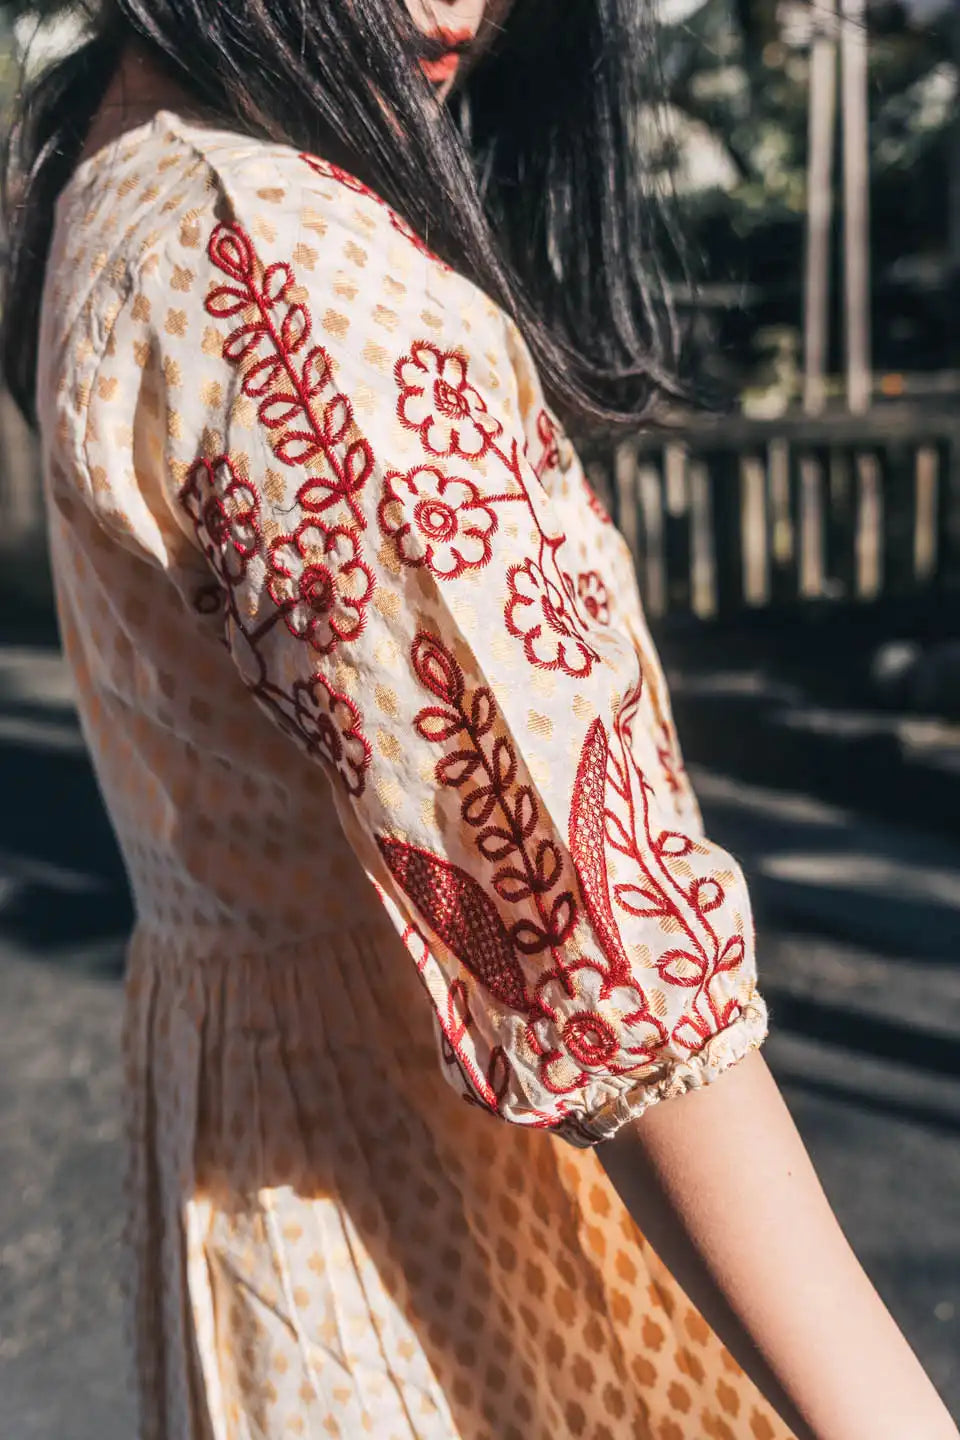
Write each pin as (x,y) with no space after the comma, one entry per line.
(584,1016)
(611,1030)
(486,1090)
(504,814)
(668,749)
(548,434)
(612,810)
(437,520)
(330,724)
(594,597)
(461,914)
(225,510)
(538,614)
(225,513)
(449,414)
(327,171)
(288,376)
(437,400)
(320,583)
(316,577)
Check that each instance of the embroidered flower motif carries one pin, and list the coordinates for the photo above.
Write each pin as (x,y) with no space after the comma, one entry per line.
(320,583)
(536,613)
(603,1029)
(437,520)
(329,724)
(225,510)
(593,597)
(437,400)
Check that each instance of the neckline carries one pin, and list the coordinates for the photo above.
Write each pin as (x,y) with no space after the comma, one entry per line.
(96,158)
(160,119)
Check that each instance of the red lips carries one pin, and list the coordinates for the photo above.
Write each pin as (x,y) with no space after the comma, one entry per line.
(444,66)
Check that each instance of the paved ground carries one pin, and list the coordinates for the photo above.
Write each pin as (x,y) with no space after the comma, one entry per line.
(859,922)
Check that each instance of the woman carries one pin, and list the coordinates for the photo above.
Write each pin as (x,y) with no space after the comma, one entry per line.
(311,269)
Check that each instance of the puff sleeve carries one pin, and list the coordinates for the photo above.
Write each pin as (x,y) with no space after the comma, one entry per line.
(373,480)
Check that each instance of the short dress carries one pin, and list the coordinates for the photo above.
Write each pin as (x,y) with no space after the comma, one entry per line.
(424,906)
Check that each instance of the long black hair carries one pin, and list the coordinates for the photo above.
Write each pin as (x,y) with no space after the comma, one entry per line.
(532,180)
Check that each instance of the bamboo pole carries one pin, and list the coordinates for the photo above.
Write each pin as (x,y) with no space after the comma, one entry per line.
(822,119)
(856,190)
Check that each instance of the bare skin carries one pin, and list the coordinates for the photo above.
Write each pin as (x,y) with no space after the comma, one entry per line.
(721,1185)
(718,1180)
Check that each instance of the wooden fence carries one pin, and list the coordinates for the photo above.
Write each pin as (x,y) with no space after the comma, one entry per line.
(724,516)
(738,514)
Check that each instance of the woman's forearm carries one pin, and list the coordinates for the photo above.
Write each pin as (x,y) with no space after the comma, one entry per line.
(721,1185)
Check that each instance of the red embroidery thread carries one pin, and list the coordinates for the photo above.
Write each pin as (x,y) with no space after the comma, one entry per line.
(224,509)
(437,520)
(611,785)
(439,403)
(316,576)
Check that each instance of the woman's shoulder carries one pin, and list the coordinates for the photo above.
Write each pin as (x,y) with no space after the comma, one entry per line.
(189,226)
(173,184)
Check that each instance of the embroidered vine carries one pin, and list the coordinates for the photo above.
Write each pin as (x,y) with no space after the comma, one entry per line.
(316,575)
(612,812)
(454,519)
(225,511)
(583,1013)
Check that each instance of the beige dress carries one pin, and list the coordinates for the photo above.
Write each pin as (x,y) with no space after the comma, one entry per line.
(424,905)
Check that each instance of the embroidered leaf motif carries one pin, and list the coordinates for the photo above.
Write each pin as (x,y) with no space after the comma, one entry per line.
(436,725)
(226,301)
(481,712)
(437,670)
(529,939)
(457,767)
(547,865)
(706,895)
(479,806)
(733,954)
(563,914)
(504,763)
(588,825)
(691,1032)
(636,900)
(461,913)
(337,418)
(525,812)
(512,885)
(495,843)
(680,967)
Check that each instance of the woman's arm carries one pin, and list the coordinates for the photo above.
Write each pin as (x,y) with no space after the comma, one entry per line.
(722,1187)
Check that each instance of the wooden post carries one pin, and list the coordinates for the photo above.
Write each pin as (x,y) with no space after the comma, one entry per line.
(812,526)
(756,553)
(724,469)
(856,191)
(821,127)
(926,484)
(676,492)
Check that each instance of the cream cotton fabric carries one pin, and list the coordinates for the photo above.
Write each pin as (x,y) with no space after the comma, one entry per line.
(377,717)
